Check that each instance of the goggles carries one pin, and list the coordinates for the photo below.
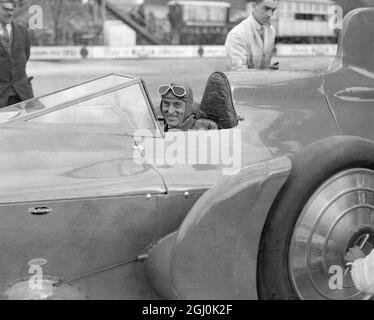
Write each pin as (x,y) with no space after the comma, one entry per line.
(178,91)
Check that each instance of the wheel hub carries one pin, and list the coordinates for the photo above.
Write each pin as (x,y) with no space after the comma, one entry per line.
(363,238)
(338,216)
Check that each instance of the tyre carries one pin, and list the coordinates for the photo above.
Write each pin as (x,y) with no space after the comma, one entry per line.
(325,207)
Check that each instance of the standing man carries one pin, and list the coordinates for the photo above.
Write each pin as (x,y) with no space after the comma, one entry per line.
(250,44)
(15,86)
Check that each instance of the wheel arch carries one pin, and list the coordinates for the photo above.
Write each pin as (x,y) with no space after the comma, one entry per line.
(214,253)
(311,167)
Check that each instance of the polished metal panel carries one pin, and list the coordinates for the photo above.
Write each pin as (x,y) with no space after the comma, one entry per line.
(200,175)
(215,253)
(350,92)
(349,83)
(93,244)
(356,41)
(157,266)
(337,216)
(37,166)
(283,110)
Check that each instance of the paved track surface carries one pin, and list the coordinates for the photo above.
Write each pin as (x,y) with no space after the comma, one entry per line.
(52,76)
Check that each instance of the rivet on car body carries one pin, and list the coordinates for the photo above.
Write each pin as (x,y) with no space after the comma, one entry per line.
(186,194)
(142,257)
(40,211)
(148,196)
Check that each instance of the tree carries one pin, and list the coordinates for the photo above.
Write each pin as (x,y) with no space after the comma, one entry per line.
(60,17)
(63,13)
(175,17)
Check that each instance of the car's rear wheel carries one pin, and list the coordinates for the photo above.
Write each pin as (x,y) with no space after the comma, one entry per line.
(325,207)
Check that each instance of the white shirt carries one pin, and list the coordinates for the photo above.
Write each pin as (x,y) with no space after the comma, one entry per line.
(8,26)
(363,274)
(246,49)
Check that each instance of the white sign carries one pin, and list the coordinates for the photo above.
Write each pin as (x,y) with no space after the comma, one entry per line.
(55,53)
(307,50)
(145,52)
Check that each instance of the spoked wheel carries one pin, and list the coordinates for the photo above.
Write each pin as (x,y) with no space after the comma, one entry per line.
(325,208)
(339,215)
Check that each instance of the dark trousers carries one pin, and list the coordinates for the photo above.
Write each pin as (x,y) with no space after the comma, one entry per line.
(13,100)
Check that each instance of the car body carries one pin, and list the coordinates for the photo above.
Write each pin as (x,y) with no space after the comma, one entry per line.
(86,215)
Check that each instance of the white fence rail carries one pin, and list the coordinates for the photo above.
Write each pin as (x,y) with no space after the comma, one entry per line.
(142,52)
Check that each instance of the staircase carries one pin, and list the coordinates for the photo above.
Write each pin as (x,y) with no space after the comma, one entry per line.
(120,10)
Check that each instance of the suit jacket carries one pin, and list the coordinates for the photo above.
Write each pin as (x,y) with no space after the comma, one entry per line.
(13,66)
(245,47)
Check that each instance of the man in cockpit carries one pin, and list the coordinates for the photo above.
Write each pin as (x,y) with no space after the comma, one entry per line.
(179,110)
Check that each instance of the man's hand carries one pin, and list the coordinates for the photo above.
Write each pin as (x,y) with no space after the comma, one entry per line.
(353,254)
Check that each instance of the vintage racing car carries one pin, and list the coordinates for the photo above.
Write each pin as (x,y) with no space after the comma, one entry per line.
(87,213)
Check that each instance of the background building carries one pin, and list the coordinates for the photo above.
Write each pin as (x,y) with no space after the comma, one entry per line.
(300,21)
(128,22)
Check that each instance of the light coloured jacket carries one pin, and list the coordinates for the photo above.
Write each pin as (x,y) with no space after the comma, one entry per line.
(245,47)
(363,274)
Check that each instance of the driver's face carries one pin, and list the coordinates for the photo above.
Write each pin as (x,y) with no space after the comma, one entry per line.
(264,10)
(6,12)
(173,111)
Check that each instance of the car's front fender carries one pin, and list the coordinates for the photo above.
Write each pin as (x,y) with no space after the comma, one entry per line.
(214,253)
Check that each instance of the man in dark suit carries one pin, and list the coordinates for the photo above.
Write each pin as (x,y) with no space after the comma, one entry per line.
(15,86)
